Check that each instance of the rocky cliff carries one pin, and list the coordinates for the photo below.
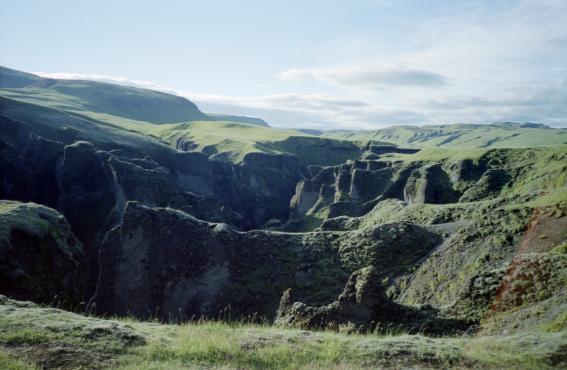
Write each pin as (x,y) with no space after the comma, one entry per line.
(167,263)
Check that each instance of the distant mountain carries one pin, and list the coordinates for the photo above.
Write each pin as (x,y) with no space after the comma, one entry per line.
(495,135)
(240,119)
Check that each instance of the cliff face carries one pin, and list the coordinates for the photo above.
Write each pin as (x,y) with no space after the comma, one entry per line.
(167,263)
(88,174)
(259,188)
(355,187)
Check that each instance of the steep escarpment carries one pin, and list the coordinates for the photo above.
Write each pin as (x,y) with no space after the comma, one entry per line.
(88,171)
(354,188)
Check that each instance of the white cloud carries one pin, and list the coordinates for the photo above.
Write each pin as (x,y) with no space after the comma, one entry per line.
(367,76)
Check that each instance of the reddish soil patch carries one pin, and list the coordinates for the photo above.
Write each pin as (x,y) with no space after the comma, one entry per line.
(546,229)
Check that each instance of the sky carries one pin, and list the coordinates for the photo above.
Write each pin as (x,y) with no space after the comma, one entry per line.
(329,64)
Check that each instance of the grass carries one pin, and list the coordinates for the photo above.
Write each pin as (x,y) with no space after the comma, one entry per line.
(460,136)
(553,197)
(124,111)
(77,107)
(12,362)
(31,334)
(557,325)
(121,101)
(242,346)
(434,154)
(235,139)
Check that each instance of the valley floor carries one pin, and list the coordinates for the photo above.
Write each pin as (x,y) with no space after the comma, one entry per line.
(35,337)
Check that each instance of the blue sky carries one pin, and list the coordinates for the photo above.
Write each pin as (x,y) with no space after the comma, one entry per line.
(319,64)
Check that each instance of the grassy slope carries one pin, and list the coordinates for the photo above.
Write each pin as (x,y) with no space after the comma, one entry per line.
(11,78)
(169,118)
(461,136)
(233,139)
(535,168)
(32,336)
(120,101)
(67,123)
(239,119)
(237,140)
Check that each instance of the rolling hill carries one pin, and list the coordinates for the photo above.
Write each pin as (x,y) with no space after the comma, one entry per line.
(168,118)
(495,135)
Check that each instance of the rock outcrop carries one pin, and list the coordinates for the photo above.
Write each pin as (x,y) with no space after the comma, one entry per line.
(167,263)
(40,258)
(533,294)
(353,188)
(88,174)
(364,307)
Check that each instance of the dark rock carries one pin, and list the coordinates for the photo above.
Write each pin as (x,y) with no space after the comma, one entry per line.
(40,258)
(363,307)
(167,263)
(429,184)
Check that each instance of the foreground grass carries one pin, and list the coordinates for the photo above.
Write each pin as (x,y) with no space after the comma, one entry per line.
(12,362)
(31,335)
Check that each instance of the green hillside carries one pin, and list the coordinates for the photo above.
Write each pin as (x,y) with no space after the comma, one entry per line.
(176,120)
(168,118)
(121,101)
(240,119)
(10,78)
(252,247)
(496,135)
(232,141)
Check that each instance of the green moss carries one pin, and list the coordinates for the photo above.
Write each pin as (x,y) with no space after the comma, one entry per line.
(560,249)
(558,324)
(31,217)
(12,362)
(460,136)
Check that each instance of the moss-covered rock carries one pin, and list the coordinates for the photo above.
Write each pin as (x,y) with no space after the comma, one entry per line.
(532,295)
(40,258)
(167,263)
(364,307)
